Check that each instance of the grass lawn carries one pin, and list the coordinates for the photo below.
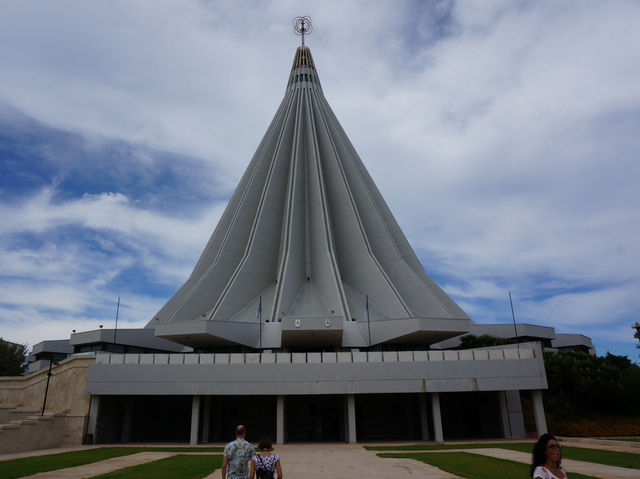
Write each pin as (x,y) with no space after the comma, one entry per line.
(417,447)
(26,466)
(473,466)
(609,458)
(182,466)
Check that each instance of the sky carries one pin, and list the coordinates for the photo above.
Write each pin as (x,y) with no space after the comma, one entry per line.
(504,136)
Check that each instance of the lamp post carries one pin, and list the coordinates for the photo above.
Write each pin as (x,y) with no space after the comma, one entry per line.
(46,389)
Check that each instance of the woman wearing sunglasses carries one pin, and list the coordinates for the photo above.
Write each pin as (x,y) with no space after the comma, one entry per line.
(547,455)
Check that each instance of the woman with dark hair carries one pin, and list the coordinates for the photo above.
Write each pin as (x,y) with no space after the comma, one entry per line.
(547,455)
(265,463)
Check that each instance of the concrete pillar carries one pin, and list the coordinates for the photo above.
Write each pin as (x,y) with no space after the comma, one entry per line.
(195,419)
(505,421)
(538,412)
(127,419)
(437,418)
(92,420)
(514,409)
(280,420)
(206,418)
(424,417)
(351,418)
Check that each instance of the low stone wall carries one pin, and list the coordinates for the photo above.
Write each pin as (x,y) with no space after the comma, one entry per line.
(38,432)
(67,402)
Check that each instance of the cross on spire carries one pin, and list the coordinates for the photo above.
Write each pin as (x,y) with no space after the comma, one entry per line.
(302,26)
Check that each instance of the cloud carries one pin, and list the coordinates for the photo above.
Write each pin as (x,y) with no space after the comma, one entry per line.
(505,142)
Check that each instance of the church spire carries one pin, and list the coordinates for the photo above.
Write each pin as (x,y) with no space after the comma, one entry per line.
(307,240)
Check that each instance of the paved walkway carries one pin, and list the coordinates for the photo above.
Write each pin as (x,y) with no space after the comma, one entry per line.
(102,467)
(342,461)
(346,461)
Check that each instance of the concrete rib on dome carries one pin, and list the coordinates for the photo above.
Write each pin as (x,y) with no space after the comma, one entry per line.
(305,238)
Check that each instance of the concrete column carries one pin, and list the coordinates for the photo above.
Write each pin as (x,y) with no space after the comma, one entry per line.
(206,418)
(505,421)
(195,419)
(437,418)
(127,419)
(424,417)
(92,420)
(280,420)
(514,408)
(351,418)
(538,412)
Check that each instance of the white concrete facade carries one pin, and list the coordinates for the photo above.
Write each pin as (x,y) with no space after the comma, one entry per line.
(310,275)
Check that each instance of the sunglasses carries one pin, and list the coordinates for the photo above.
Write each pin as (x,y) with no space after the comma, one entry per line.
(556,447)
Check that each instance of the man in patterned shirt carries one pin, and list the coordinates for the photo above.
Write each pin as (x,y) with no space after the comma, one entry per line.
(237,455)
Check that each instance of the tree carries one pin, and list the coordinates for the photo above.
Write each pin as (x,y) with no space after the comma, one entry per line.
(582,384)
(13,358)
(472,341)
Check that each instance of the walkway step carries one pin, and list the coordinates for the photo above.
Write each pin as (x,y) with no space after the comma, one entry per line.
(27,422)
(26,409)
(10,426)
(41,418)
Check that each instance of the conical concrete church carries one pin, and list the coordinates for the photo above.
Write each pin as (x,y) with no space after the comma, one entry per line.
(308,317)
(308,248)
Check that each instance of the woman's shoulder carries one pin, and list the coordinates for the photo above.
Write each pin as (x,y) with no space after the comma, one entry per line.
(540,472)
(544,473)
(272,457)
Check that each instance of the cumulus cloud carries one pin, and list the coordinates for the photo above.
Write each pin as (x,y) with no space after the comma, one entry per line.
(505,144)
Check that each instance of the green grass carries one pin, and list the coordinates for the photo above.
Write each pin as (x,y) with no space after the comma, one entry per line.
(182,466)
(26,466)
(518,446)
(472,466)
(609,458)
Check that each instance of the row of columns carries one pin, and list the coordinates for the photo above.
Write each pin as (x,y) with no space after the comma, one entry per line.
(350,429)
(202,403)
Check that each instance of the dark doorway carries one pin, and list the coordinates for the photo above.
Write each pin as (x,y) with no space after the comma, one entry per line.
(161,419)
(109,421)
(470,415)
(388,417)
(257,413)
(143,419)
(314,418)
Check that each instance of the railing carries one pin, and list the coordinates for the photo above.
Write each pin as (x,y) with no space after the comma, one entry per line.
(317,358)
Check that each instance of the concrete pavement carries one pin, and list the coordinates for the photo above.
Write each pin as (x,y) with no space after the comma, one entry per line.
(346,461)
